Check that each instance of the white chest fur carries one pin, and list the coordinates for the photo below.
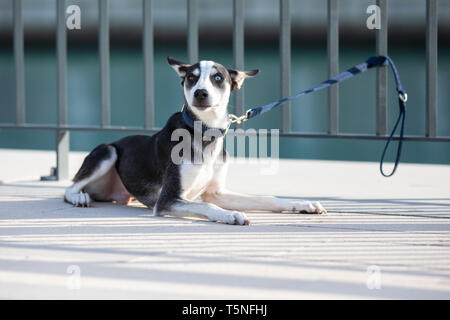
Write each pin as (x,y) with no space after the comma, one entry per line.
(196,177)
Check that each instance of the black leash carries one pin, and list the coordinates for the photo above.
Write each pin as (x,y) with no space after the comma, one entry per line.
(370,63)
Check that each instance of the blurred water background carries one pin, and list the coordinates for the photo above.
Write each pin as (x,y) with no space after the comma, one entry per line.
(309,66)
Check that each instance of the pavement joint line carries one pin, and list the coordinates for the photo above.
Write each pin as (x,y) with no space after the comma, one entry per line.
(391,214)
(321,226)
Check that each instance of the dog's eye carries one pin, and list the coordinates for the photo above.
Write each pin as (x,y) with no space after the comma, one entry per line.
(218,78)
(192,78)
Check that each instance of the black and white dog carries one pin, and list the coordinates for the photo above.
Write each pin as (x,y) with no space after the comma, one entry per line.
(142,167)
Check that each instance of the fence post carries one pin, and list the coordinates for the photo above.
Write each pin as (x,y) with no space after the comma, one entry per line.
(19,62)
(381,87)
(103,41)
(432,69)
(285,57)
(192,34)
(148,52)
(62,136)
(333,65)
(238,52)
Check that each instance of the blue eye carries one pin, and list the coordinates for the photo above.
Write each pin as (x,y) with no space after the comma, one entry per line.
(218,78)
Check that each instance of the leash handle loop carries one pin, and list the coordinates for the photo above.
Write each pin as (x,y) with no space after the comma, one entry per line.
(402,98)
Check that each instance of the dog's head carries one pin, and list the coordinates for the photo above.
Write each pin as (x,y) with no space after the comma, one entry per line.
(207,84)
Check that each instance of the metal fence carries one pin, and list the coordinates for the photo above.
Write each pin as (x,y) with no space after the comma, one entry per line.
(62,128)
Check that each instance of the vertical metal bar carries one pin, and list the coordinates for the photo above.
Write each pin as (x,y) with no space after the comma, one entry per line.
(431,70)
(333,65)
(381,87)
(238,50)
(19,62)
(62,154)
(148,52)
(104,63)
(192,36)
(62,136)
(61,53)
(285,60)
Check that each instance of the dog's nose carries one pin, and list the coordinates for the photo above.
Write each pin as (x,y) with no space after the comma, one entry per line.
(201,94)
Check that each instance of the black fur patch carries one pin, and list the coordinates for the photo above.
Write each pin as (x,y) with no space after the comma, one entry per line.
(223,72)
(145,166)
(190,78)
(92,162)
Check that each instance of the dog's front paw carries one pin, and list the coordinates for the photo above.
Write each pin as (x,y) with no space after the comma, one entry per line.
(78,199)
(236,217)
(308,207)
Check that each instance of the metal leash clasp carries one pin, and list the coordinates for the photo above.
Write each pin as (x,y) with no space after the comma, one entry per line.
(239,120)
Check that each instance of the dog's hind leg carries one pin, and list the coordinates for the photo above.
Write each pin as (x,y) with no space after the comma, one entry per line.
(95,166)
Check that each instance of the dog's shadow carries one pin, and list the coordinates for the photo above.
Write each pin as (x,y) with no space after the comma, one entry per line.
(22,200)
(36,201)
(28,202)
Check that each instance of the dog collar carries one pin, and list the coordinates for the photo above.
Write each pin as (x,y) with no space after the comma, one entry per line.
(187,118)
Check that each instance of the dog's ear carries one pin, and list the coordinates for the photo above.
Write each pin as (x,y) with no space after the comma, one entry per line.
(238,77)
(179,67)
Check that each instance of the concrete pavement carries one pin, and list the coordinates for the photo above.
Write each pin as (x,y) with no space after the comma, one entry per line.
(383,238)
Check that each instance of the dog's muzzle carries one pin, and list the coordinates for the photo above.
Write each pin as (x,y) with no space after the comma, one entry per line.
(201,99)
